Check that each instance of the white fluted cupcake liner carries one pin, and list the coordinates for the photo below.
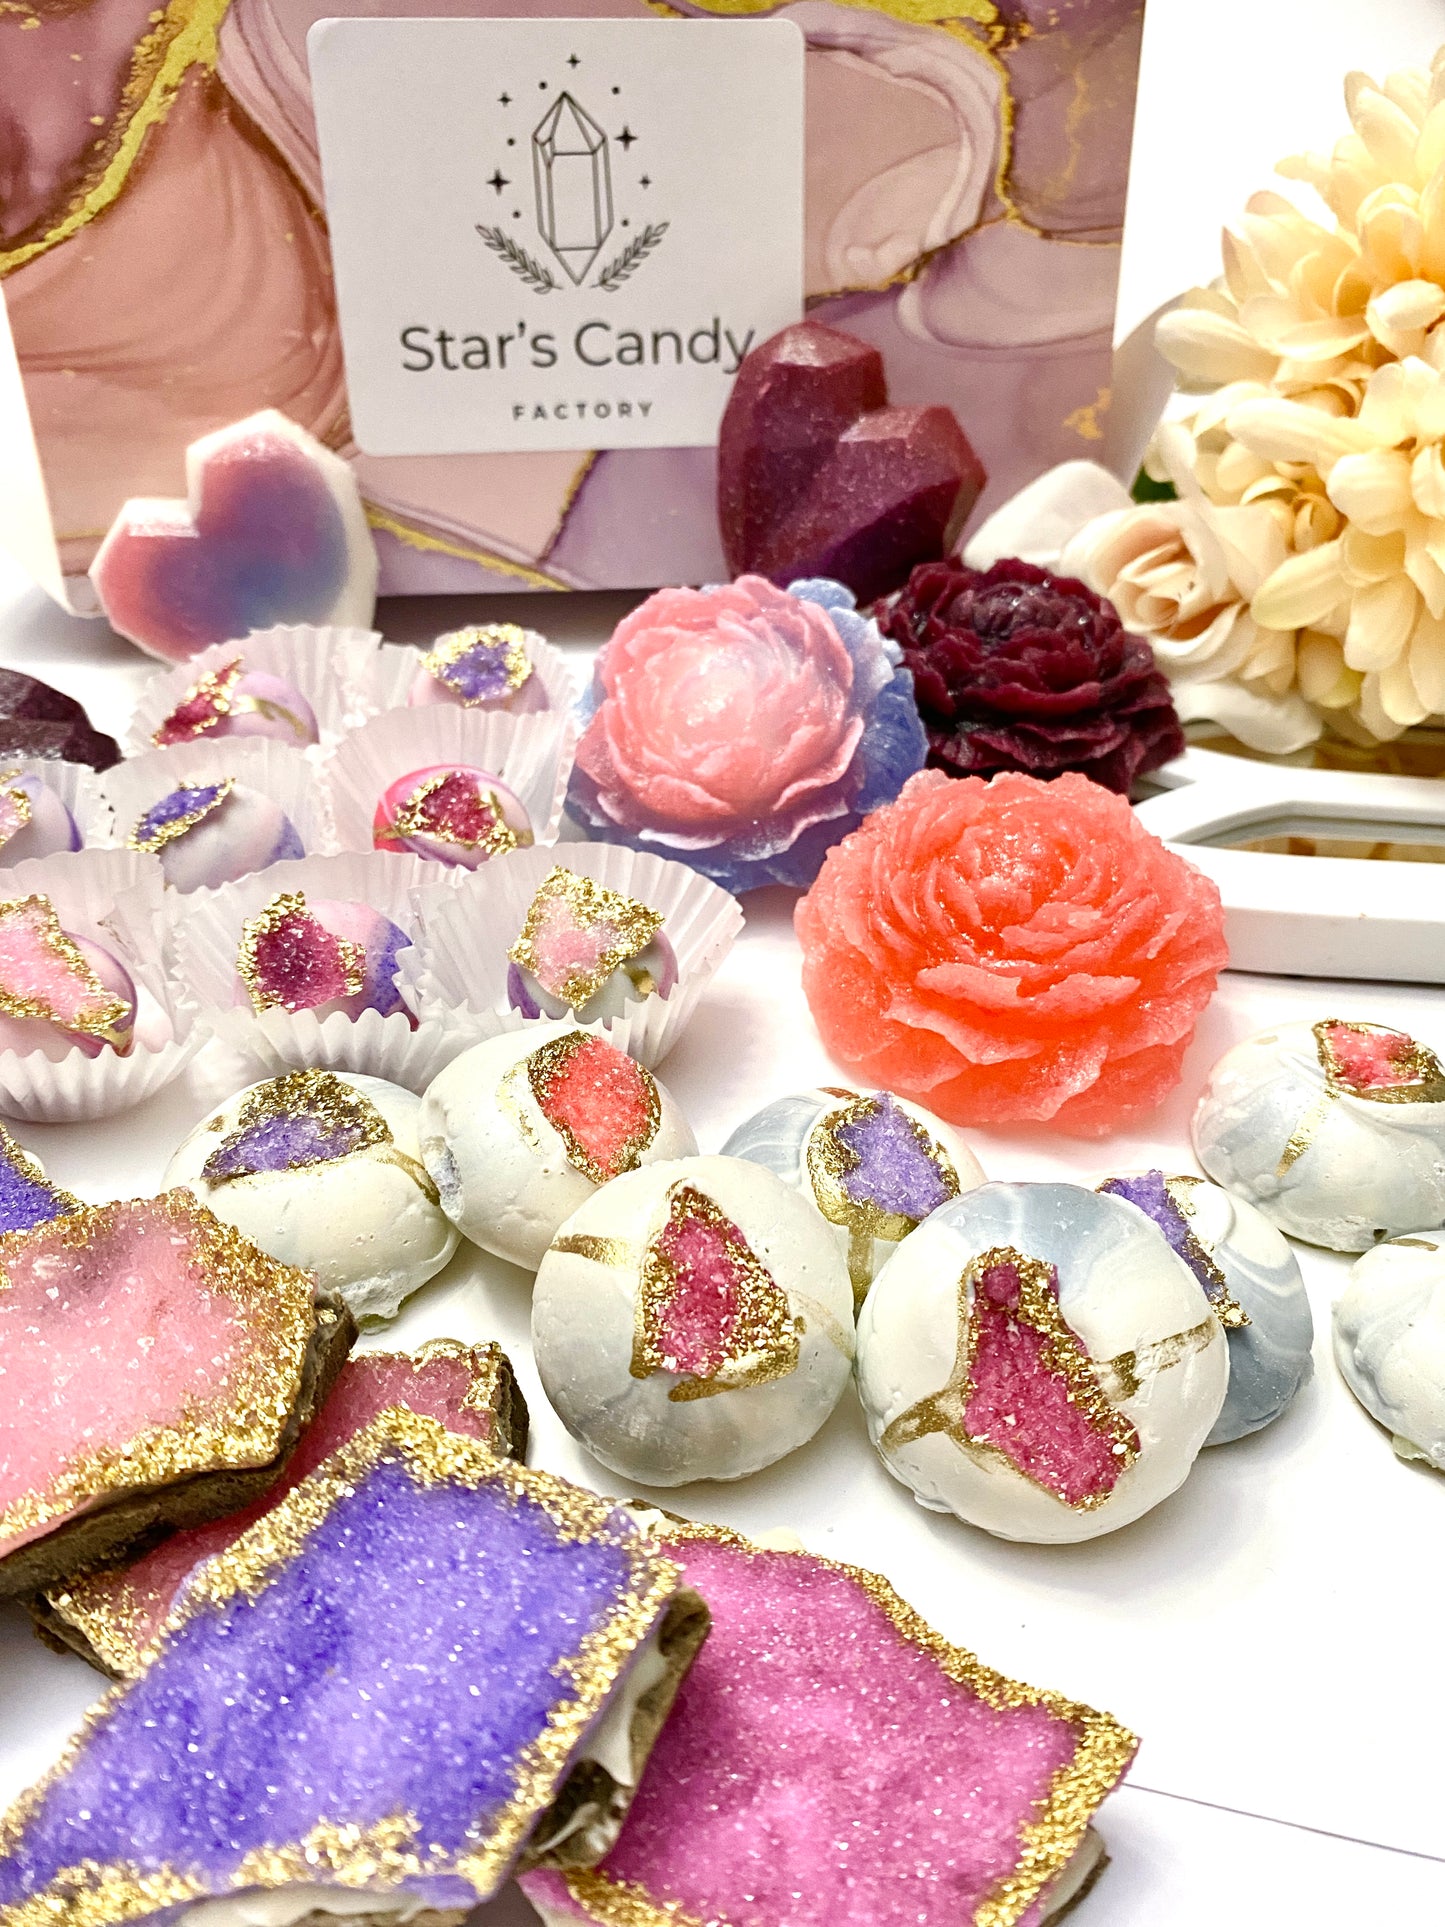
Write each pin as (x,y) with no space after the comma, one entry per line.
(288,777)
(328,666)
(531,755)
(209,933)
(115,898)
(458,972)
(394,670)
(79,787)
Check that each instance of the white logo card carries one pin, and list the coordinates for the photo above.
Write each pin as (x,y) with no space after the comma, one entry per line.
(556,234)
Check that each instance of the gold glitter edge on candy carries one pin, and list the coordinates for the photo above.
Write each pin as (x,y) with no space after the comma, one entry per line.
(9,786)
(448,650)
(14,1153)
(410,819)
(542,1067)
(217,687)
(1039,1308)
(829,1162)
(618,1253)
(430,1455)
(273,1299)
(104,1606)
(1047,1843)
(591,902)
(168,832)
(768,1343)
(265,923)
(1222,1301)
(63,948)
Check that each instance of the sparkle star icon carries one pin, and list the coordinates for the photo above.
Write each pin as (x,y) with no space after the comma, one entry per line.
(646,181)
(498,181)
(626,138)
(573,61)
(504,100)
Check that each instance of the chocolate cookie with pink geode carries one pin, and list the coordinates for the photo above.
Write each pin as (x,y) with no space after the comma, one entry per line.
(424,1667)
(111,1615)
(832,1761)
(155,1370)
(322,955)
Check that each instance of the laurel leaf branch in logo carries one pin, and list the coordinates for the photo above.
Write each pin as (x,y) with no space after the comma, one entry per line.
(631,257)
(517,259)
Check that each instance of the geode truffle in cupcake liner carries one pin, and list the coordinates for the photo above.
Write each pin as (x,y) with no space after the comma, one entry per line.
(48,807)
(620,939)
(213,812)
(295,968)
(298,686)
(91,1016)
(491,666)
(456,786)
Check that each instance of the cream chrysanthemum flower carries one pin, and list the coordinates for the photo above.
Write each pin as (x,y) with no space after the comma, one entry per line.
(1303,306)
(1378,587)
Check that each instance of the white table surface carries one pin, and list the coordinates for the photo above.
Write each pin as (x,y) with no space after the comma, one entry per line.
(1271,1631)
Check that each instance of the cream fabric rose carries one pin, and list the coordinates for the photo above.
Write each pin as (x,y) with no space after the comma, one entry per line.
(1182,573)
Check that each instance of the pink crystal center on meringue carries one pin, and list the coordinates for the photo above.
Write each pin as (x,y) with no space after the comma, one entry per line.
(696,1327)
(1373,1060)
(598,1096)
(1025,1406)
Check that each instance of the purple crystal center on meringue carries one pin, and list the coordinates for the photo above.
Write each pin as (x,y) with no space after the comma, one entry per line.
(893,1171)
(401,1662)
(283,1143)
(1149,1190)
(26,1200)
(182,802)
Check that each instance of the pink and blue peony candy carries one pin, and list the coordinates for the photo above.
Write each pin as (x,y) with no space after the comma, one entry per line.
(744,729)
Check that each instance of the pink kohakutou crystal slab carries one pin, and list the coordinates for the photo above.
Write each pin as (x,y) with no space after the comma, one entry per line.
(143,1346)
(832,1762)
(112,1616)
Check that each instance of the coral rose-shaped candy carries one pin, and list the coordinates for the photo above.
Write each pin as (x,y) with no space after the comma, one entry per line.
(1015,668)
(744,728)
(1011,951)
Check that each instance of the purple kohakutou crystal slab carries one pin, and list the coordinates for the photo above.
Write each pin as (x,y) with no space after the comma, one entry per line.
(381,1685)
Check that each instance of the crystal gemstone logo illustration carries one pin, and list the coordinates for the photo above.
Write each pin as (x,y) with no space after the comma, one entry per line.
(572,174)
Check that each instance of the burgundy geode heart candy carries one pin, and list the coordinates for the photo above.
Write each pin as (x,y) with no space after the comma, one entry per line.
(36,720)
(819,476)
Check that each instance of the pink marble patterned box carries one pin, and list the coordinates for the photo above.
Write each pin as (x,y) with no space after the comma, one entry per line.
(165,264)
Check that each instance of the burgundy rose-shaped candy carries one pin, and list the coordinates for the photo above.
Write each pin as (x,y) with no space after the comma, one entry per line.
(1018,669)
(744,729)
